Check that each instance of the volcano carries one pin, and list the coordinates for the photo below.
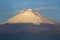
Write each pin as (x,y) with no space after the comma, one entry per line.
(29,16)
(29,25)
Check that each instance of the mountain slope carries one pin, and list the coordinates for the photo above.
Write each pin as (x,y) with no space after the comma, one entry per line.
(29,16)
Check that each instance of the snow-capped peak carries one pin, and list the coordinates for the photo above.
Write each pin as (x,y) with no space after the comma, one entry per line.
(29,16)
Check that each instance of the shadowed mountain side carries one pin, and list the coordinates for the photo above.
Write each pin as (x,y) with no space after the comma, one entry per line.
(9,27)
(29,31)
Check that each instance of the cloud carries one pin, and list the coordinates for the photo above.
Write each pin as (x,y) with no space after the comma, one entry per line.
(20,4)
(39,3)
(47,8)
(53,4)
(26,3)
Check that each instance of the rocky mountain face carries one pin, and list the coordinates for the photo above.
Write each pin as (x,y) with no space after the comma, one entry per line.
(29,25)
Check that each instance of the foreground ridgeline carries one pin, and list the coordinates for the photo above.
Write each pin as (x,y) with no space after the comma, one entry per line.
(29,31)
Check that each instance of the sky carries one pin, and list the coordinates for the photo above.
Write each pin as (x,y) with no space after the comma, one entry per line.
(49,8)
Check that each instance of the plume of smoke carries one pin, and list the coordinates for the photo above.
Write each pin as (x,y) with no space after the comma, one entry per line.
(47,8)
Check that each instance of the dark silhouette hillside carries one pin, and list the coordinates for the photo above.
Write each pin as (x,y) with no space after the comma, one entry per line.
(29,31)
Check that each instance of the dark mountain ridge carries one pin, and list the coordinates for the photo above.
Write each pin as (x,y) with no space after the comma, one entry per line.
(29,31)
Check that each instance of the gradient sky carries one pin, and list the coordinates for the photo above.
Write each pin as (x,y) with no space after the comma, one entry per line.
(49,8)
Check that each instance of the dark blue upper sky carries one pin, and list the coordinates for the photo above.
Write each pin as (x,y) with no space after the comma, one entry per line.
(49,8)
